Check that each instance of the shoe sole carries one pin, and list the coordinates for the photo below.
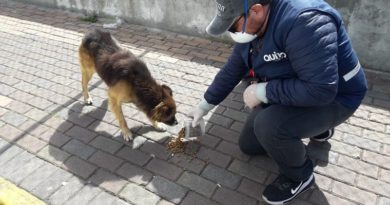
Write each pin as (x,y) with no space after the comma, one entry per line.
(291,198)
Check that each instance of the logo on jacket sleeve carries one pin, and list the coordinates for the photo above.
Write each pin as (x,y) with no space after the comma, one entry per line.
(275,56)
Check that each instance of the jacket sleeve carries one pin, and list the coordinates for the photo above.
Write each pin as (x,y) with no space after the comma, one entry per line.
(227,78)
(311,47)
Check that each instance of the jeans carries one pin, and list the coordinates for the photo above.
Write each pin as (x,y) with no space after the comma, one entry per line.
(277,130)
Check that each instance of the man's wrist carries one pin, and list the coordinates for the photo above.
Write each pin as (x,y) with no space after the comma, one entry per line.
(204,105)
(261,92)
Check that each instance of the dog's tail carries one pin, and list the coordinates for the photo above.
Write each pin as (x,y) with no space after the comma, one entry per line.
(99,40)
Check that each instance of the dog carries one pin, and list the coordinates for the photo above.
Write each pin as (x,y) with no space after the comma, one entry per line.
(128,80)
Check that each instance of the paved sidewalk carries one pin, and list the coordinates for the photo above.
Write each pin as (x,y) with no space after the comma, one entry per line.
(66,153)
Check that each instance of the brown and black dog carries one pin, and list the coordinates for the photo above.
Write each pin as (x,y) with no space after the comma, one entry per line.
(128,80)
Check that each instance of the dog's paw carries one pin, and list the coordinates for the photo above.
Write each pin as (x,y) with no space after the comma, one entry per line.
(127,135)
(88,101)
(160,126)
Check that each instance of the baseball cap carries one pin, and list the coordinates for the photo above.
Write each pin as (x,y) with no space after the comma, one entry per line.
(227,11)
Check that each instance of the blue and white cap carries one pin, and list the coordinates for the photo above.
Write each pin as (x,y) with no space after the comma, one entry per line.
(227,11)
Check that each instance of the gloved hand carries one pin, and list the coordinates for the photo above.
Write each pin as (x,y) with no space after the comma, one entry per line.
(255,94)
(198,115)
(200,111)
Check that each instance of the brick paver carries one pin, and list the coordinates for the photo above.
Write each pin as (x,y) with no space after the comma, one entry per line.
(31,143)
(249,171)
(229,197)
(53,155)
(167,189)
(35,178)
(86,194)
(211,156)
(164,169)
(251,188)
(197,183)
(221,176)
(66,191)
(51,184)
(78,148)
(194,199)
(139,195)
(79,167)
(133,155)
(134,173)
(26,170)
(105,160)
(108,181)
(188,163)
(106,144)
(67,153)
(9,153)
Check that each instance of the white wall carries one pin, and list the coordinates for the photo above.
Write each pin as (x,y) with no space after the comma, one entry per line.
(368,22)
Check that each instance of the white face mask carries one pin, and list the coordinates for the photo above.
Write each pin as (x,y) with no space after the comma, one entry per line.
(242,37)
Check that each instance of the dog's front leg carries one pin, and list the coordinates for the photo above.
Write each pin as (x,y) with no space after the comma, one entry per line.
(85,78)
(87,67)
(159,126)
(116,107)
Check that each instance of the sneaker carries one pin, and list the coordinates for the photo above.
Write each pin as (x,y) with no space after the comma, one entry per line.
(283,189)
(323,137)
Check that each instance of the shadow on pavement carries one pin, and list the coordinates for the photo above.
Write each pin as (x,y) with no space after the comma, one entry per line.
(103,158)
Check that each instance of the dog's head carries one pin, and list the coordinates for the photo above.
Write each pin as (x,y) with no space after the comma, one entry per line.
(165,111)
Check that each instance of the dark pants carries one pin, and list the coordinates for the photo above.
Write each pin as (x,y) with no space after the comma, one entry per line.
(278,130)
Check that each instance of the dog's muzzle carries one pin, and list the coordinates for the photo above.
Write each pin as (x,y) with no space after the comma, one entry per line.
(172,122)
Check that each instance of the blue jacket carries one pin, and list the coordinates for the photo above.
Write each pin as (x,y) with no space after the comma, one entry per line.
(305,56)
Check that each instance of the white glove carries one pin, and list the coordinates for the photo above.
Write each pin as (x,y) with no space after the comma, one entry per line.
(200,111)
(255,94)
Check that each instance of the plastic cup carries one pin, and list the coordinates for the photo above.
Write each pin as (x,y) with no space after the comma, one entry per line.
(192,133)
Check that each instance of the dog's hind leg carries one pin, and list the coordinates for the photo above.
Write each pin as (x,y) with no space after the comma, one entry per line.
(116,107)
(87,70)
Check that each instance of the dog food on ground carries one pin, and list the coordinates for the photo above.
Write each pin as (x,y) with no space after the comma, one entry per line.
(176,145)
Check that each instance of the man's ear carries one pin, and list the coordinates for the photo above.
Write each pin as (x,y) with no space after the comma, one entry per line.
(257,12)
(257,8)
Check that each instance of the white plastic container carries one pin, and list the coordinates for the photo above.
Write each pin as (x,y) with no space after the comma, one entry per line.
(192,133)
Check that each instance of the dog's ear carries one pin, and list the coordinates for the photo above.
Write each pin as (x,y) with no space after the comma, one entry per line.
(160,105)
(168,89)
(159,111)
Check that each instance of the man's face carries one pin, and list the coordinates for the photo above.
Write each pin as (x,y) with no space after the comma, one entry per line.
(255,20)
